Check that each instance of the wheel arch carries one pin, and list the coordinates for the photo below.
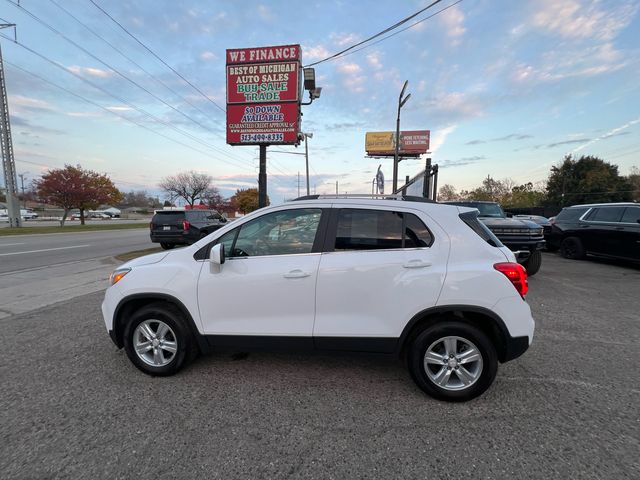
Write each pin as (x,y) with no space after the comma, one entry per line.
(482,318)
(134,302)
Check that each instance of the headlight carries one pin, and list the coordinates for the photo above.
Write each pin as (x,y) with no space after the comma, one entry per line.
(117,275)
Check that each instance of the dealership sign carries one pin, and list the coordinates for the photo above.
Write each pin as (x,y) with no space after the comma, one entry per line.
(263,94)
(412,143)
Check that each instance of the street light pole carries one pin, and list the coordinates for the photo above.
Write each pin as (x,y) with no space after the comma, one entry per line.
(307,136)
(396,158)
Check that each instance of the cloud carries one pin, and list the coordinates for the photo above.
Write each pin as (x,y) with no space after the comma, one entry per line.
(90,71)
(208,56)
(352,80)
(345,126)
(562,64)
(567,142)
(611,133)
(119,108)
(453,21)
(461,161)
(582,19)
(265,13)
(454,106)
(315,53)
(344,39)
(373,59)
(512,136)
(29,103)
(440,136)
(33,130)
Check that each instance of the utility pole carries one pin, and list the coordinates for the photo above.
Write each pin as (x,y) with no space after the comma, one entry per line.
(396,158)
(336,187)
(298,184)
(21,175)
(6,144)
(307,136)
(262,177)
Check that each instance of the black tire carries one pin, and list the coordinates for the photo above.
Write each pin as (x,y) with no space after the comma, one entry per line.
(572,248)
(533,263)
(167,246)
(203,234)
(430,336)
(186,348)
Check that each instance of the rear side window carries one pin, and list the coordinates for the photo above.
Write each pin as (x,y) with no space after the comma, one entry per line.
(606,214)
(631,215)
(570,214)
(380,230)
(471,220)
(168,217)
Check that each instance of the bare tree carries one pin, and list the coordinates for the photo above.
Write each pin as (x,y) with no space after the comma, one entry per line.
(190,186)
(448,193)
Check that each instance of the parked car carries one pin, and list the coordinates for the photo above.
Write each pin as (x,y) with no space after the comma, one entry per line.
(524,237)
(183,227)
(604,229)
(28,214)
(424,281)
(99,216)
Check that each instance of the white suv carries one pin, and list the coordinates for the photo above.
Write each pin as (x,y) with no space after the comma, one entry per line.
(424,281)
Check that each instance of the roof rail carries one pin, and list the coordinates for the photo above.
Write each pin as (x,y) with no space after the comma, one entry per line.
(373,196)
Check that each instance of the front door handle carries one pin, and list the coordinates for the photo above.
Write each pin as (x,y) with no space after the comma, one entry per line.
(296,274)
(416,264)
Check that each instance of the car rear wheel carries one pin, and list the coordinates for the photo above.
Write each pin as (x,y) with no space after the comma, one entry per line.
(571,248)
(533,263)
(167,246)
(453,361)
(158,341)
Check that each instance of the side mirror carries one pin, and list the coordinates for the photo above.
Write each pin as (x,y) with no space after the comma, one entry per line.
(216,255)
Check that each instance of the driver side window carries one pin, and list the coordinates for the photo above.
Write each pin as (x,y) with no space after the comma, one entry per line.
(279,233)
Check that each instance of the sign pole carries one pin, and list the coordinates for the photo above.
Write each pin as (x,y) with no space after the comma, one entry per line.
(262,177)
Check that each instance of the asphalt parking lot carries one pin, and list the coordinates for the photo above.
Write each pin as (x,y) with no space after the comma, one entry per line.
(72,406)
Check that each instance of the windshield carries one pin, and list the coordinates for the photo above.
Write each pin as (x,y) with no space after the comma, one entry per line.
(486,209)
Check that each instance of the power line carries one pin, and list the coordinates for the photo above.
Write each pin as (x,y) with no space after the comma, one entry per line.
(120,99)
(110,67)
(202,152)
(386,30)
(156,56)
(127,57)
(402,29)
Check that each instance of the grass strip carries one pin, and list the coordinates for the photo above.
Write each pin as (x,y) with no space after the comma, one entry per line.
(5,232)
(125,257)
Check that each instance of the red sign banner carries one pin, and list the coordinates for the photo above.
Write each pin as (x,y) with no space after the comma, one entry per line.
(263,94)
(414,141)
(266,82)
(262,123)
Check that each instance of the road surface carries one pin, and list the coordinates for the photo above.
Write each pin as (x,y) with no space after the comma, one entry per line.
(43,269)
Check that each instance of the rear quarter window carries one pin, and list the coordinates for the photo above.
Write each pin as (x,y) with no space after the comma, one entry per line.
(571,214)
(471,220)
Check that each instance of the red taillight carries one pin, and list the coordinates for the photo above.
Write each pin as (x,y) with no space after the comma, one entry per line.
(517,274)
(185,225)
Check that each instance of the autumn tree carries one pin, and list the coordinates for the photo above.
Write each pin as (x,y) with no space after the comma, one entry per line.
(634,183)
(448,193)
(586,180)
(73,187)
(246,200)
(190,186)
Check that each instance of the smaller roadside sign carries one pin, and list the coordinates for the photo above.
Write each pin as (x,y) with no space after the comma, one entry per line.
(412,143)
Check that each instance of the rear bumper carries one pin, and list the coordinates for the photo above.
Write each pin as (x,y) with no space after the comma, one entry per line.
(515,347)
(177,238)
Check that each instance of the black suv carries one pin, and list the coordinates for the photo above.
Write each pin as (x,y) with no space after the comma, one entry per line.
(606,229)
(183,227)
(523,237)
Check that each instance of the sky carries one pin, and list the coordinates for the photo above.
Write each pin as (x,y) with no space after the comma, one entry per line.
(506,88)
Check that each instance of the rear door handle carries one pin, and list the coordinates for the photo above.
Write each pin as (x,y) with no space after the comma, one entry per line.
(416,264)
(296,274)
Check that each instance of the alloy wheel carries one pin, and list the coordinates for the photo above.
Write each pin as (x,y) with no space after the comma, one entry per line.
(453,363)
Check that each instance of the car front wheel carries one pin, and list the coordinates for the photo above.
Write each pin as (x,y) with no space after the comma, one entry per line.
(157,340)
(453,361)
(167,246)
